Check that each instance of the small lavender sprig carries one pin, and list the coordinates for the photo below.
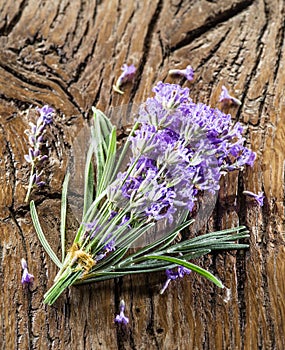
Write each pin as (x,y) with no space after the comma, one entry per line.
(127,75)
(35,158)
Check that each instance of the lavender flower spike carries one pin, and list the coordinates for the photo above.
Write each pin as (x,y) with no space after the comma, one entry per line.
(226,97)
(258,197)
(187,73)
(121,318)
(35,135)
(127,75)
(27,278)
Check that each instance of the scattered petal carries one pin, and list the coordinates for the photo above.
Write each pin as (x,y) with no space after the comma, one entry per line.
(187,73)
(172,274)
(258,197)
(226,97)
(127,75)
(121,318)
(27,278)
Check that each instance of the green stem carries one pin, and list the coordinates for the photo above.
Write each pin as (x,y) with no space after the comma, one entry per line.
(67,279)
(30,183)
(124,151)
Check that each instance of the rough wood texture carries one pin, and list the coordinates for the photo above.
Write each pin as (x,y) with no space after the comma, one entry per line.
(68,54)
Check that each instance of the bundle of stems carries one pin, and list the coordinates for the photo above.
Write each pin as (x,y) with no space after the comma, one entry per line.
(168,168)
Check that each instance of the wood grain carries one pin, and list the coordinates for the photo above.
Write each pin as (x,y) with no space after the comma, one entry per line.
(68,54)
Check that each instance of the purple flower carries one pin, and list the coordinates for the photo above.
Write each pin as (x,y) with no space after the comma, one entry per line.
(226,97)
(247,157)
(90,226)
(121,318)
(110,245)
(170,95)
(46,114)
(27,278)
(127,75)
(130,185)
(35,137)
(37,179)
(173,275)
(179,150)
(188,72)
(162,203)
(258,197)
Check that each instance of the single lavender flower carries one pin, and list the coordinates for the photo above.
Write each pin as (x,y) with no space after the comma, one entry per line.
(27,278)
(173,275)
(46,113)
(35,136)
(121,318)
(170,96)
(247,157)
(110,245)
(187,73)
(226,97)
(90,226)
(258,197)
(127,75)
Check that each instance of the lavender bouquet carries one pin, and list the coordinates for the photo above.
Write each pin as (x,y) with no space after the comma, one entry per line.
(176,151)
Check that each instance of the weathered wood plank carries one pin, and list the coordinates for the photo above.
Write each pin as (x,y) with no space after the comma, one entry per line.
(68,54)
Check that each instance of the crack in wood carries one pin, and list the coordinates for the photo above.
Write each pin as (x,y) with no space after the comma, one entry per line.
(212,22)
(146,46)
(7,29)
(279,43)
(252,74)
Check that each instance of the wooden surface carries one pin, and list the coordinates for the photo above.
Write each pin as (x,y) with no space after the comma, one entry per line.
(68,54)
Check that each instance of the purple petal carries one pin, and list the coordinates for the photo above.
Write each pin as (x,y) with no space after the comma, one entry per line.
(258,197)
(188,72)
(28,159)
(226,97)
(23,263)
(26,276)
(127,75)
(121,318)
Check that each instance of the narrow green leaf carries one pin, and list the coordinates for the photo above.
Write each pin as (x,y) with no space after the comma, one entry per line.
(109,163)
(55,291)
(41,235)
(97,140)
(63,214)
(104,142)
(100,133)
(88,181)
(188,265)
(124,151)
(165,241)
(89,215)
(112,259)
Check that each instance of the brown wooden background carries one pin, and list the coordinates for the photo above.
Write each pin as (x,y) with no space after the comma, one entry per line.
(68,54)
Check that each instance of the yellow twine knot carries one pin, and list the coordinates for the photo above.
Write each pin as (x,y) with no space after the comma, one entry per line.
(84,260)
